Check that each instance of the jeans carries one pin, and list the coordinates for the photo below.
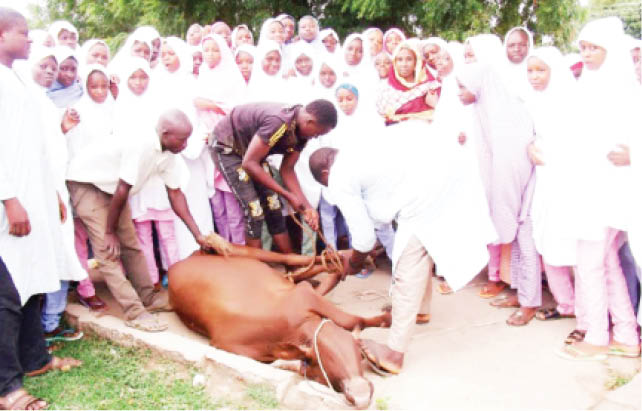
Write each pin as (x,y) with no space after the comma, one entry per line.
(22,343)
(54,306)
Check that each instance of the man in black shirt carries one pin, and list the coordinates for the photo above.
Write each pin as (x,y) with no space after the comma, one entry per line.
(240,145)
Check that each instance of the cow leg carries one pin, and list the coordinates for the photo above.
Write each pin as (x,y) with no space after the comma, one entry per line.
(319,305)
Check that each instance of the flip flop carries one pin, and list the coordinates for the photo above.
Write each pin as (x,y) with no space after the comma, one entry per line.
(504,302)
(20,399)
(545,314)
(444,289)
(518,319)
(573,353)
(575,336)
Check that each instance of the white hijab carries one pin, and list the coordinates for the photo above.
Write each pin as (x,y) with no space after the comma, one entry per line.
(516,73)
(321,91)
(87,46)
(236,30)
(488,49)
(60,25)
(263,87)
(320,47)
(39,37)
(389,32)
(125,51)
(135,115)
(302,48)
(224,83)
(610,102)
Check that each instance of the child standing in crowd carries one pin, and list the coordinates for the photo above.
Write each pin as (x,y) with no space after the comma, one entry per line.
(64,34)
(244,57)
(66,89)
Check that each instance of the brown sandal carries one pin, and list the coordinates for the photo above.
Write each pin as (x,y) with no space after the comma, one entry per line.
(574,337)
(518,319)
(421,318)
(56,363)
(20,399)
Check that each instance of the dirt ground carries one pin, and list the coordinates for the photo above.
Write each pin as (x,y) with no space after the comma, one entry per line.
(467,357)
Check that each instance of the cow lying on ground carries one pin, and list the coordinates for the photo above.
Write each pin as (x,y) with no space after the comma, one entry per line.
(246,307)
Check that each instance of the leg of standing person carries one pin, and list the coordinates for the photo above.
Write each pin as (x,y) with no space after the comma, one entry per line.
(328,216)
(411,281)
(561,286)
(630,270)
(234,218)
(146,241)
(168,244)
(22,343)
(220,214)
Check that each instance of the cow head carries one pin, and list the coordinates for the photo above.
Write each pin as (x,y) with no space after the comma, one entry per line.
(341,359)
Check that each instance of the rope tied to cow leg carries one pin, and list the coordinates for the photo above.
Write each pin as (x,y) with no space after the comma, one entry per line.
(330,258)
(316,350)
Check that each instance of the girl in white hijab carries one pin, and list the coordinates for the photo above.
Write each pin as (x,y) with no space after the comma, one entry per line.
(272,29)
(391,39)
(302,63)
(266,82)
(94,51)
(326,77)
(244,56)
(41,38)
(43,65)
(242,35)
(64,33)
(220,87)
(327,42)
(137,113)
(137,44)
(430,49)
(609,109)
(374,36)
(357,63)
(552,102)
(485,49)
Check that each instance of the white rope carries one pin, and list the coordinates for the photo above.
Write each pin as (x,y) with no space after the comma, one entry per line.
(316,349)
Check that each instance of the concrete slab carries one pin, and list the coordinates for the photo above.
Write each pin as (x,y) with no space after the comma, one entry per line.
(466,357)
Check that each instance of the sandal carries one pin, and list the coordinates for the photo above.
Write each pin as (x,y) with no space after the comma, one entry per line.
(20,399)
(623,350)
(61,334)
(575,336)
(518,319)
(578,352)
(149,324)
(486,292)
(444,289)
(56,364)
(505,301)
(545,314)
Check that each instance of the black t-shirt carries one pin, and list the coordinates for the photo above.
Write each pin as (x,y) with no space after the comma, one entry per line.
(274,123)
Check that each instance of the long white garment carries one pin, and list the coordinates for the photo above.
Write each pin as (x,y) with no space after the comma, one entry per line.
(555,117)
(136,118)
(301,85)
(609,116)
(58,157)
(320,90)
(34,261)
(429,191)
(321,48)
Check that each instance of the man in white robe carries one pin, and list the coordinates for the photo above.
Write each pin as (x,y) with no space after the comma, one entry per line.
(430,188)
(30,227)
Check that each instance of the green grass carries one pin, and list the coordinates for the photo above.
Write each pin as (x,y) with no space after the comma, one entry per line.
(382,403)
(116,377)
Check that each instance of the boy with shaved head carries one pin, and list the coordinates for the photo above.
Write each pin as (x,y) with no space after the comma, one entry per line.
(100,177)
(30,226)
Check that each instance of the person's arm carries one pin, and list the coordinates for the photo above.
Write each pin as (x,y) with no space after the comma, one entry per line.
(291,182)
(179,205)
(432,98)
(116,205)
(207,104)
(255,154)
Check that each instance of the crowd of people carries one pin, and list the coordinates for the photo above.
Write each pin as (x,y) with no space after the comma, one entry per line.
(169,139)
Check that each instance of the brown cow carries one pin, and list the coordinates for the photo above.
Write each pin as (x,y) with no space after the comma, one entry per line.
(247,308)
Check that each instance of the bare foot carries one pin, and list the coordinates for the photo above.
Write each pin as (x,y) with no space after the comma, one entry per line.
(492,289)
(382,357)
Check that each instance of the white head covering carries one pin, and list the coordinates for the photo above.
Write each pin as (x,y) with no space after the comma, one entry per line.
(236,30)
(263,87)
(183,53)
(87,46)
(222,84)
(523,29)
(388,33)
(39,37)
(147,33)
(572,59)
(516,73)
(263,36)
(365,67)
(366,35)
(133,111)
(488,49)
(125,51)
(57,26)
(320,91)
(298,49)
(320,47)
(301,85)
(37,54)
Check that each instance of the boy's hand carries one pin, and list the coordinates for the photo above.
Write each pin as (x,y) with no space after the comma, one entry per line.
(535,155)
(69,120)
(112,246)
(311,217)
(297,205)
(19,224)
(620,157)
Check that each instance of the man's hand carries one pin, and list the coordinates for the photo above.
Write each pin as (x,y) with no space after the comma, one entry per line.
(62,209)
(69,120)
(311,217)
(204,243)
(19,224)
(535,155)
(295,202)
(112,246)
(621,157)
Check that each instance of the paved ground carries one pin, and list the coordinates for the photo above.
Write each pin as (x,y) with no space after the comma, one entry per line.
(466,357)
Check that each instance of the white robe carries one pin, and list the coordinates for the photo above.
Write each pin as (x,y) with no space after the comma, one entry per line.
(34,261)
(448,213)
